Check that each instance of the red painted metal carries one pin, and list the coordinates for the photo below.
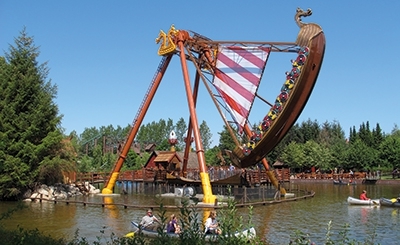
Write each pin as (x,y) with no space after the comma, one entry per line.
(138,120)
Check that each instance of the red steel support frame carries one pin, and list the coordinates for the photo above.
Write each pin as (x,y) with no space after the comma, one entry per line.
(108,189)
(205,179)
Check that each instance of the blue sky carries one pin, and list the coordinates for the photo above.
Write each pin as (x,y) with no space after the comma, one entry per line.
(102,56)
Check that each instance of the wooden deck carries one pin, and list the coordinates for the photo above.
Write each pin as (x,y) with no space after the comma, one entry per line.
(220,176)
(216,205)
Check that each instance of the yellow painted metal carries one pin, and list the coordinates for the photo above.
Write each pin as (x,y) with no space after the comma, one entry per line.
(206,184)
(167,44)
(274,181)
(111,184)
(113,210)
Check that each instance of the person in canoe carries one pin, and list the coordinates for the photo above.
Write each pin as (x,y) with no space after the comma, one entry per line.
(173,226)
(211,225)
(149,221)
(363,195)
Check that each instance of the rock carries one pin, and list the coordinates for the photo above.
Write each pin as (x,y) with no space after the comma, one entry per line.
(60,191)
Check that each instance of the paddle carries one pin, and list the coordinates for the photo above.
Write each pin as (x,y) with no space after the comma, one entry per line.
(130,234)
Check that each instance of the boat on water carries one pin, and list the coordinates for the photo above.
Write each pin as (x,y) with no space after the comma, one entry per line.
(369,181)
(341,182)
(393,202)
(356,201)
(249,233)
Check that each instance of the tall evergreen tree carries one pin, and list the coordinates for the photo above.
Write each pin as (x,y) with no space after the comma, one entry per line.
(377,136)
(181,130)
(353,135)
(30,134)
(310,130)
(206,135)
(365,134)
(395,130)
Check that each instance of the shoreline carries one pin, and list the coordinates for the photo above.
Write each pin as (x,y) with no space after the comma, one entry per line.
(357,181)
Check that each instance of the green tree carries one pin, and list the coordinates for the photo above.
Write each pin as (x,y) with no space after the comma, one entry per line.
(395,130)
(310,130)
(226,142)
(389,151)
(293,155)
(365,134)
(155,133)
(211,156)
(89,138)
(339,149)
(317,155)
(29,122)
(378,136)
(353,135)
(360,156)
(206,135)
(292,136)
(130,161)
(142,160)
(180,131)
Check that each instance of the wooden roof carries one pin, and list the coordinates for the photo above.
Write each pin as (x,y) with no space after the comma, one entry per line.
(193,162)
(150,147)
(165,156)
(136,148)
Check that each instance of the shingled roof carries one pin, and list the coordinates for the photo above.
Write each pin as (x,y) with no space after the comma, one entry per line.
(193,162)
(168,157)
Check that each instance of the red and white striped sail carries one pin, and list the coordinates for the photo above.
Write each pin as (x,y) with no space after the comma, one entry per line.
(237,77)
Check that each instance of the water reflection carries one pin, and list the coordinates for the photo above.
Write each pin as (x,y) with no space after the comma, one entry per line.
(275,223)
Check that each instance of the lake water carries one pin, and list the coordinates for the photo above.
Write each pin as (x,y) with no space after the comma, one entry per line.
(274,223)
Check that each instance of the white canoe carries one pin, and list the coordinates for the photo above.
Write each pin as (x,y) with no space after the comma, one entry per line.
(356,201)
(247,233)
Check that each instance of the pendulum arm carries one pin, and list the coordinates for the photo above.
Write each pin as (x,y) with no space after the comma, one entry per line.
(264,161)
(189,132)
(109,186)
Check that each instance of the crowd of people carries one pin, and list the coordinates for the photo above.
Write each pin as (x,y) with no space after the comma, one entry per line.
(151,222)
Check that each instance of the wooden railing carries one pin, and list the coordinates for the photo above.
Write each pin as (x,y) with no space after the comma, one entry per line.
(356,175)
(255,176)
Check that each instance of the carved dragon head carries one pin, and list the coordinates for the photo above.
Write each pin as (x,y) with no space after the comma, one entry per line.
(161,35)
(301,13)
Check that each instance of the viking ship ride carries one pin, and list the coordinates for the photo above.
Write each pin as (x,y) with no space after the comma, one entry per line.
(232,72)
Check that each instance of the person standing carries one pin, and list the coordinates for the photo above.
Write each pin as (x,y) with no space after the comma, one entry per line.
(351,174)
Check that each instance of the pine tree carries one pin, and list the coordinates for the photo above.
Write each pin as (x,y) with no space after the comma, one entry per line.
(206,135)
(30,134)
